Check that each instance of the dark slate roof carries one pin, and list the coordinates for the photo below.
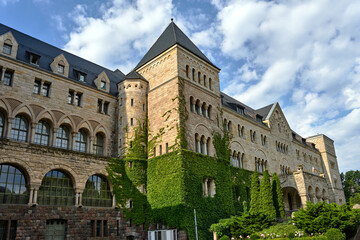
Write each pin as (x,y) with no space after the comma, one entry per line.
(264,111)
(171,36)
(47,53)
(134,75)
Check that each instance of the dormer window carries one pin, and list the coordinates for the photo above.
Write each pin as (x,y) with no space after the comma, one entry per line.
(7,49)
(61,69)
(103,85)
(34,59)
(258,118)
(82,77)
(240,110)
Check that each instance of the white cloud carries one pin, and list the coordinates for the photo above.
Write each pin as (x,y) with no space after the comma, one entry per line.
(307,57)
(124,30)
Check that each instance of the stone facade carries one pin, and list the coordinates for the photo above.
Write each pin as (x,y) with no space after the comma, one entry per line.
(307,167)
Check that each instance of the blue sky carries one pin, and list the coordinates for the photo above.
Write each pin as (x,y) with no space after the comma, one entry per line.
(303,54)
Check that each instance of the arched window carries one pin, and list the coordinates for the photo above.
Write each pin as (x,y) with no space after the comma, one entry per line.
(62,137)
(56,189)
(203,110)
(42,133)
(209,112)
(2,124)
(99,144)
(97,192)
(192,105)
(187,71)
(81,141)
(210,83)
(193,74)
(13,186)
(208,146)
(199,77)
(197,143)
(203,145)
(205,83)
(241,165)
(19,129)
(197,106)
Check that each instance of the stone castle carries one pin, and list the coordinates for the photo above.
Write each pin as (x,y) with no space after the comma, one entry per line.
(63,117)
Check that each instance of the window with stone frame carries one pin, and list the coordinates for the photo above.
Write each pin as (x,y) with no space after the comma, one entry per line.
(209,187)
(81,141)
(34,59)
(45,90)
(97,192)
(20,128)
(78,99)
(99,228)
(7,48)
(63,137)
(42,133)
(14,185)
(60,68)
(2,124)
(8,77)
(99,144)
(37,86)
(56,189)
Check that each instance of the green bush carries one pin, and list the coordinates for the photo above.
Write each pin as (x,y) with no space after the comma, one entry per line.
(335,234)
(224,238)
(223,227)
(319,217)
(254,236)
(281,230)
(248,224)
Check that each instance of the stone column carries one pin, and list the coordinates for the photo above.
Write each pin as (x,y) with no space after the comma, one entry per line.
(90,147)
(31,196)
(72,141)
(2,76)
(35,196)
(8,128)
(32,133)
(205,187)
(113,201)
(53,137)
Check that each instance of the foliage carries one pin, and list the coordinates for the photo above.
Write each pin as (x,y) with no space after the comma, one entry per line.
(222,227)
(266,196)
(222,141)
(224,238)
(357,198)
(349,179)
(255,193)
(335,234)
(241,182)
(175,189)
(180,140)
(248,224)
(278,197)
(322,216)
(281,230)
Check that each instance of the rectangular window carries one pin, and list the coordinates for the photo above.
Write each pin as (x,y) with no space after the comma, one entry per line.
(100,106)
(132,102)
(121,100)
(131,121)
(71,97)
(34,59)
(8,78)
(240,110)
(99,228)
(37,85)
(144,107)
(163,235)
(7,48)
(61,69)
(258,118)
(46,89)
(78,97)
(8,229)
(81,77)
(103,85)
(167,147)
(106,107)
(160,149)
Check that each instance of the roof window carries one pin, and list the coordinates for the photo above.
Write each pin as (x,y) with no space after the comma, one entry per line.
(34,59)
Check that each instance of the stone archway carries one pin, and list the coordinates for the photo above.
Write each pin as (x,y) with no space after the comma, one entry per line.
(292,200)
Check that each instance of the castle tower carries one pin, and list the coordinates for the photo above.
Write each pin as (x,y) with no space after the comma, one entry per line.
(328,155)
(132,105)
(183,87)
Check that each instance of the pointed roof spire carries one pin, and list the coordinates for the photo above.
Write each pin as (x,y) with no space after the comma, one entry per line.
(171,36)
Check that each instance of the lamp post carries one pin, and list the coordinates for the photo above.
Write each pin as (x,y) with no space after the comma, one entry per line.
(353,191)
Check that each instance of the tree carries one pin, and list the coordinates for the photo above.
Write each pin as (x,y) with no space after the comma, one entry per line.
(255,193)
(349,179)
(278,197)
(266,196)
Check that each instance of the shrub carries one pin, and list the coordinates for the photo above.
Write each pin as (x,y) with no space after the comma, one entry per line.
(281,230)
(335,234)
(255,193)
(248,224)
(224,238)
(223,227)
(322,216)
(254,236)
(266,196)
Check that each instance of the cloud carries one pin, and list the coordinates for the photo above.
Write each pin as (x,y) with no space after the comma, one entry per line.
(121,35)
(305,55)
(5,2)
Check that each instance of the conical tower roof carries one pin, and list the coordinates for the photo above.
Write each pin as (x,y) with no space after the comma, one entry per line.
(171,36)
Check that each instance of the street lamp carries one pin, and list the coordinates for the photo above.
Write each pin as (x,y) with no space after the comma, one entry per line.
(353,191)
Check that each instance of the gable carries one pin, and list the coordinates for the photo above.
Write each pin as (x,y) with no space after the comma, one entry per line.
(277,122)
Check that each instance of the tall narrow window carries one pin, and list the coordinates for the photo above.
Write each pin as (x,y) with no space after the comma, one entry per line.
(100,106)
(187,71)
(103,85)
(210,84)
(7,48)
(99,144)
(62,137)
(131,121)
(132,102)
(78,97)
(8,229)
(160,149)
(167,147)
(42,133)
(46,89)
(61,69)
(19,129)
(13,185)
(193,74)
(97,192)
(56,189)
(2,123)
(144,107)
(106,107)
(205,83)
(37,86)
(8,76)
(71,97)
(199,77)
(81,141)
